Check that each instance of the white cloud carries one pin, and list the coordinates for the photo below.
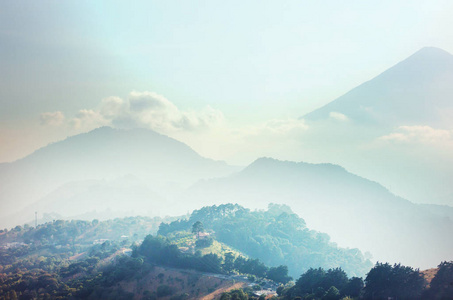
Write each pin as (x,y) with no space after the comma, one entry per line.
(113,107)
(52,118)
(419,134)
(140,109)
(154,111)
(338,116)
(150,101)
(205,129)
(87,119)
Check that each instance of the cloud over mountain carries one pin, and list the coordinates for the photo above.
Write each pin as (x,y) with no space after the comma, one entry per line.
(419,134)
(338,116)
(141,109)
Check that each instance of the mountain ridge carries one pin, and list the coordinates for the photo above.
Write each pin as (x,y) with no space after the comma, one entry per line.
(354,211)
(423,78)
(104,153)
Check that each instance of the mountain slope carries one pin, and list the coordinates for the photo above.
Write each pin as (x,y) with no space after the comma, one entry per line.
(354,211)
(396,129)
(95,199)
(104,153)
(416,91)
(277,236)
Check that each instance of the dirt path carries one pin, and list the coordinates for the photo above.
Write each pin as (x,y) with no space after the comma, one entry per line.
(220,291)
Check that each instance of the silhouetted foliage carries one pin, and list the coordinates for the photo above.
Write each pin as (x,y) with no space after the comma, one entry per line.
(177,225)
(235,295)
(197,227)
(354,287)
(279,274)
(321,284)
(385,281)
(441,286)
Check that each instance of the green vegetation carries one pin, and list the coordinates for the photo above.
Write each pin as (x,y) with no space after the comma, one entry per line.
(399,282)
(160,251)
(98,260)
(76,233)
(383,282)
(442,284)
(276,236)
(321,284)
(63,259)
(86,278)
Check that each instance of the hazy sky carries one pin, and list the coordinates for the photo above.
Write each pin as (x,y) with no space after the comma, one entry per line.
(224,67)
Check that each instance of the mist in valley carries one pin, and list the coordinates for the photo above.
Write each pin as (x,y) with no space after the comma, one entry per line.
(297,144)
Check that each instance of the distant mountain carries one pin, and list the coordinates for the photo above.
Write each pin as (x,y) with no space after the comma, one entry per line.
(96,199)
(396,128)
(416,91)
(354,211)
(444,211)
(160,162)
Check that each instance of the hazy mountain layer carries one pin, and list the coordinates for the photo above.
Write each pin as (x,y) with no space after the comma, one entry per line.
(354,211)
(95,199)
(160,162)
(396,129)
(416,91)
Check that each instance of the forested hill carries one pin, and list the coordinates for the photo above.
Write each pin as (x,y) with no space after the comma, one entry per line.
(276,236)
(353,210)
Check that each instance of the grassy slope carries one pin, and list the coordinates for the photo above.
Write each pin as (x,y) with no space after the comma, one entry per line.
(185,239)
(194,284)
(429,274)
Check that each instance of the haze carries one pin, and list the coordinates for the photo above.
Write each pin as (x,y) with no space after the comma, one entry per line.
(150,101)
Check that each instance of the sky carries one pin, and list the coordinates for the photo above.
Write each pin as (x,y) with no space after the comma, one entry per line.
(209,73)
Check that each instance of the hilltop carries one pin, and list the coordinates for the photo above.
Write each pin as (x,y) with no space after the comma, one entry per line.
(415,91)
(141,161)
(353,210)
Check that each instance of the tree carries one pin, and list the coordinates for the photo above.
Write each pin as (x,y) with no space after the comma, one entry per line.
(441,286)
(335,277)
(234,295)
(310,280)
(151,248)
(279,274)
(197,227)
(332,294)
(385,281)
(378,282)
(354,287)
(255,267)
(228,264)
(164,229)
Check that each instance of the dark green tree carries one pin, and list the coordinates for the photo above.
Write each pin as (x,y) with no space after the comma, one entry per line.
(279,274)
(335,277)
(441,286)
(228,264)
(332,294)
(310,281)
(197,227)
(401,282)
(234,295)
(354,287)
